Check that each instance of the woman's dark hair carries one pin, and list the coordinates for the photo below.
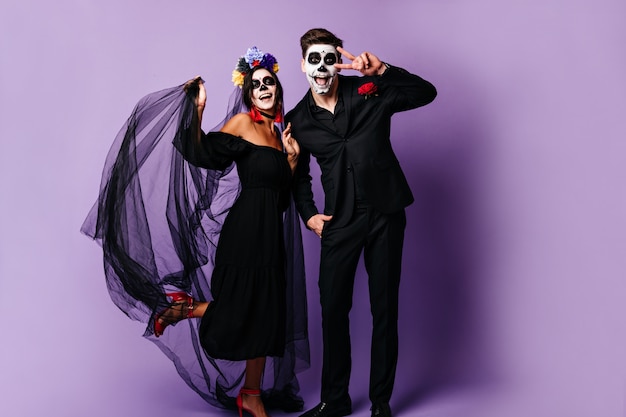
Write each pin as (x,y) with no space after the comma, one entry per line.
(247,89)
(318,36)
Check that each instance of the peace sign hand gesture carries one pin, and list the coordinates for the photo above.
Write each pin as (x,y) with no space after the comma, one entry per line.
(366,63)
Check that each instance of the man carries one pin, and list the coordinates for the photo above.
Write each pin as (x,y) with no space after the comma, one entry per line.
(344,122)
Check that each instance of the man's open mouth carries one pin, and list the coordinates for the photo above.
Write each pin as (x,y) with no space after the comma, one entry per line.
(322,81)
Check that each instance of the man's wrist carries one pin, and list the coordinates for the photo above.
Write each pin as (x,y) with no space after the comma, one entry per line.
(384,67)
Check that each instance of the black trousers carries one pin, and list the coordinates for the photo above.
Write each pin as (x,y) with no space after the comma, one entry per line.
(380,237)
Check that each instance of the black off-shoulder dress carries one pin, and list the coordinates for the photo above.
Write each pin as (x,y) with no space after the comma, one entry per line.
(247,316)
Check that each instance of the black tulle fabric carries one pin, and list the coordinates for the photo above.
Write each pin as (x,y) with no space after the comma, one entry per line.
(158,219)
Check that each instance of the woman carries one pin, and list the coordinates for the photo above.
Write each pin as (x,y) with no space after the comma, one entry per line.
(255,305)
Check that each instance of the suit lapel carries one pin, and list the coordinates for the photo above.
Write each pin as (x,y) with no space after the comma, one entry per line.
(308,99)
(344,89)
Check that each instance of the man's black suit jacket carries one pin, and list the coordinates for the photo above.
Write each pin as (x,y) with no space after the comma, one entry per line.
(364,151)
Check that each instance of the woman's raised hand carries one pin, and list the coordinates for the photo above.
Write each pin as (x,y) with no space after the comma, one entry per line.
(291,147)
(195,86)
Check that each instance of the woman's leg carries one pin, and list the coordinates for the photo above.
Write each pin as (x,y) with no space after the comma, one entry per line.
(199,308)
(183,307)
(252,402)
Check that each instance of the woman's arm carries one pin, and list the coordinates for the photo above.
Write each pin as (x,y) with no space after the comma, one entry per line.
(195,87)
(291,147)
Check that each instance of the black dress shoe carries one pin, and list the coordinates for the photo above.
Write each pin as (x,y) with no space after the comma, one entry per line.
(328,410)
(381,410)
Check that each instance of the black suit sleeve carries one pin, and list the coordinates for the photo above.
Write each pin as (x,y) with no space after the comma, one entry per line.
(302,189)
(404,90)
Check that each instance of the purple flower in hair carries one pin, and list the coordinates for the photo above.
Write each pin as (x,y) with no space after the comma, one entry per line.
(253,56)
(268,61)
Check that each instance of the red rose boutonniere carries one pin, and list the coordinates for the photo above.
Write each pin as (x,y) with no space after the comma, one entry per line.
(368,90)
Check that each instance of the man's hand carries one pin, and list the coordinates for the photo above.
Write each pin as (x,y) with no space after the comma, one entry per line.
(316,223)
(366,63)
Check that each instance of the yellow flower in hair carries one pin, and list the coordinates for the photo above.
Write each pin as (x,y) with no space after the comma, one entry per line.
(237,78)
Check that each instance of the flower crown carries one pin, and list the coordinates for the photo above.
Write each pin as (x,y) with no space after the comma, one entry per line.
(253,58)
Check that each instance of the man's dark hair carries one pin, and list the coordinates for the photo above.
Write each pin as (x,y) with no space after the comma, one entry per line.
(318,36)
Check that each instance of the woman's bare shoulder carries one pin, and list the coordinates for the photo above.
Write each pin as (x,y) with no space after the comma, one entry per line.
(238,125)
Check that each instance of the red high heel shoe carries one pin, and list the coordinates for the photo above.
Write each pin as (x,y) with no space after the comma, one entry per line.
(180,308)
(252,392)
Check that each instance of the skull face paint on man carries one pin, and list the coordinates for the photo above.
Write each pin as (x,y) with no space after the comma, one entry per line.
(318,64)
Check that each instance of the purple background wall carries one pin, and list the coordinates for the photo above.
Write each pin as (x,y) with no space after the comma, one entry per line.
(514,257)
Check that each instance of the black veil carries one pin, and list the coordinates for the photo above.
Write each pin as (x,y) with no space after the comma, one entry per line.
(158,220)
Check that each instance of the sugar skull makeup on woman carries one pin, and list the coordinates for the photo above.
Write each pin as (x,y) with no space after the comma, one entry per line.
(262,92)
